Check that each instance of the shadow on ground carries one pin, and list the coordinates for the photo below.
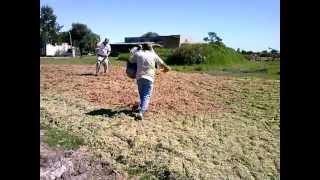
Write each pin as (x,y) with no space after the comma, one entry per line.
(87,74)
(110,113)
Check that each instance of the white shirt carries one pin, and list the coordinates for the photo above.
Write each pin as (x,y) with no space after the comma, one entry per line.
(146,61)
(133,50)
(103,50)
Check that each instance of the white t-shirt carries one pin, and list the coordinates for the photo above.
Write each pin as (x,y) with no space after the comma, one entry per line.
(103,50)
(146,61)
(133,50)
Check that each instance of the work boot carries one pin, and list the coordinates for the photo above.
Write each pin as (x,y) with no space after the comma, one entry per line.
(140,115)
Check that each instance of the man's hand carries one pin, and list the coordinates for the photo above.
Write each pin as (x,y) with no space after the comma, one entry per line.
(166,68)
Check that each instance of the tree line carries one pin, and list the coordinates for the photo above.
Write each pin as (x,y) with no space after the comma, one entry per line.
(80,35)
(265,53)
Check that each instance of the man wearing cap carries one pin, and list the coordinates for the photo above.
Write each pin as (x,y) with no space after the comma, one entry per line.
(103,50)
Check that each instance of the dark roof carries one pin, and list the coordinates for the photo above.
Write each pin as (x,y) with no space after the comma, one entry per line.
(135,43)
(177,36)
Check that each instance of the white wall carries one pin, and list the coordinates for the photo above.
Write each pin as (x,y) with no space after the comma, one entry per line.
(189,40)
(56,50)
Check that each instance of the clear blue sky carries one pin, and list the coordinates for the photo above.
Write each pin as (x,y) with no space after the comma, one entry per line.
(245,24)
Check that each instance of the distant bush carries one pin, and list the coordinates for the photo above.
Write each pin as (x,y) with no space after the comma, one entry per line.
(190,54)
(164,53)
(123,56)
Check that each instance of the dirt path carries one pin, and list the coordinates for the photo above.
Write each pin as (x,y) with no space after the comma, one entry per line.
(199,126)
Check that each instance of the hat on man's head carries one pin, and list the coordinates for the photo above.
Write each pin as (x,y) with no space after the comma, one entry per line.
(106,40)
(147,46)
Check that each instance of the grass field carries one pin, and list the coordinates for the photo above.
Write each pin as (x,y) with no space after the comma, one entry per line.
(78,60)
(200,126)
(269,69)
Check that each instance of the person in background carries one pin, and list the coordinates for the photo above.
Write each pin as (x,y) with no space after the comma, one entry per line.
(103,50)
(146,61)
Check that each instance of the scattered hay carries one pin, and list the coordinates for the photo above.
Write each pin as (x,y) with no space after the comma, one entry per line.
(198,127)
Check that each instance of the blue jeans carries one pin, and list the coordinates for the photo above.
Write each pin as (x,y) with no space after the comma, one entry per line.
(145,87)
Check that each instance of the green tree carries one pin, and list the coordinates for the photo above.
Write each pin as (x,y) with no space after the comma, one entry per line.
(63,37)
(213,38)
(264,53)
(49,28)
(249,52)
(206,39)
(89,42)
(273,51)
(83,38)
(218,40)
(150,34)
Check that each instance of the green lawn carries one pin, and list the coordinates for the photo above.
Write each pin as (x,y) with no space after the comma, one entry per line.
(268,70)
(77,60)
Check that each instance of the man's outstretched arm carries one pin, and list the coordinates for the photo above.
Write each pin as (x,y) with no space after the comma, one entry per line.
(162,64)
(165,67)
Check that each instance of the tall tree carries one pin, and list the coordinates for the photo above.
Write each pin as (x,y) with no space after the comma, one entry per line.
(49,28)
(83,38)
(63,37)
(88,42)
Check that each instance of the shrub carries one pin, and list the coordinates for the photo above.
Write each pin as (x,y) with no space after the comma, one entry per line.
(124,56)
(164,53)
(190,54)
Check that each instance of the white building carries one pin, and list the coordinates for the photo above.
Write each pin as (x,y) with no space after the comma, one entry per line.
(58,50)
(187,39)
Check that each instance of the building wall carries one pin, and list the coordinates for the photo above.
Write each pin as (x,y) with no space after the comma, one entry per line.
(171,42)
(166,41)
(120,48)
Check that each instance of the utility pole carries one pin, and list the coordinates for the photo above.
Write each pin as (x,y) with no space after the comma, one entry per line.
(73,50)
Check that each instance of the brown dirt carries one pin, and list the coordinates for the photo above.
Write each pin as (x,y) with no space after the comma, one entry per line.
(178,93)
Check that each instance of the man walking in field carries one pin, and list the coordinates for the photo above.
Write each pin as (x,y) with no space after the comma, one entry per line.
(103,50)
(146,61)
